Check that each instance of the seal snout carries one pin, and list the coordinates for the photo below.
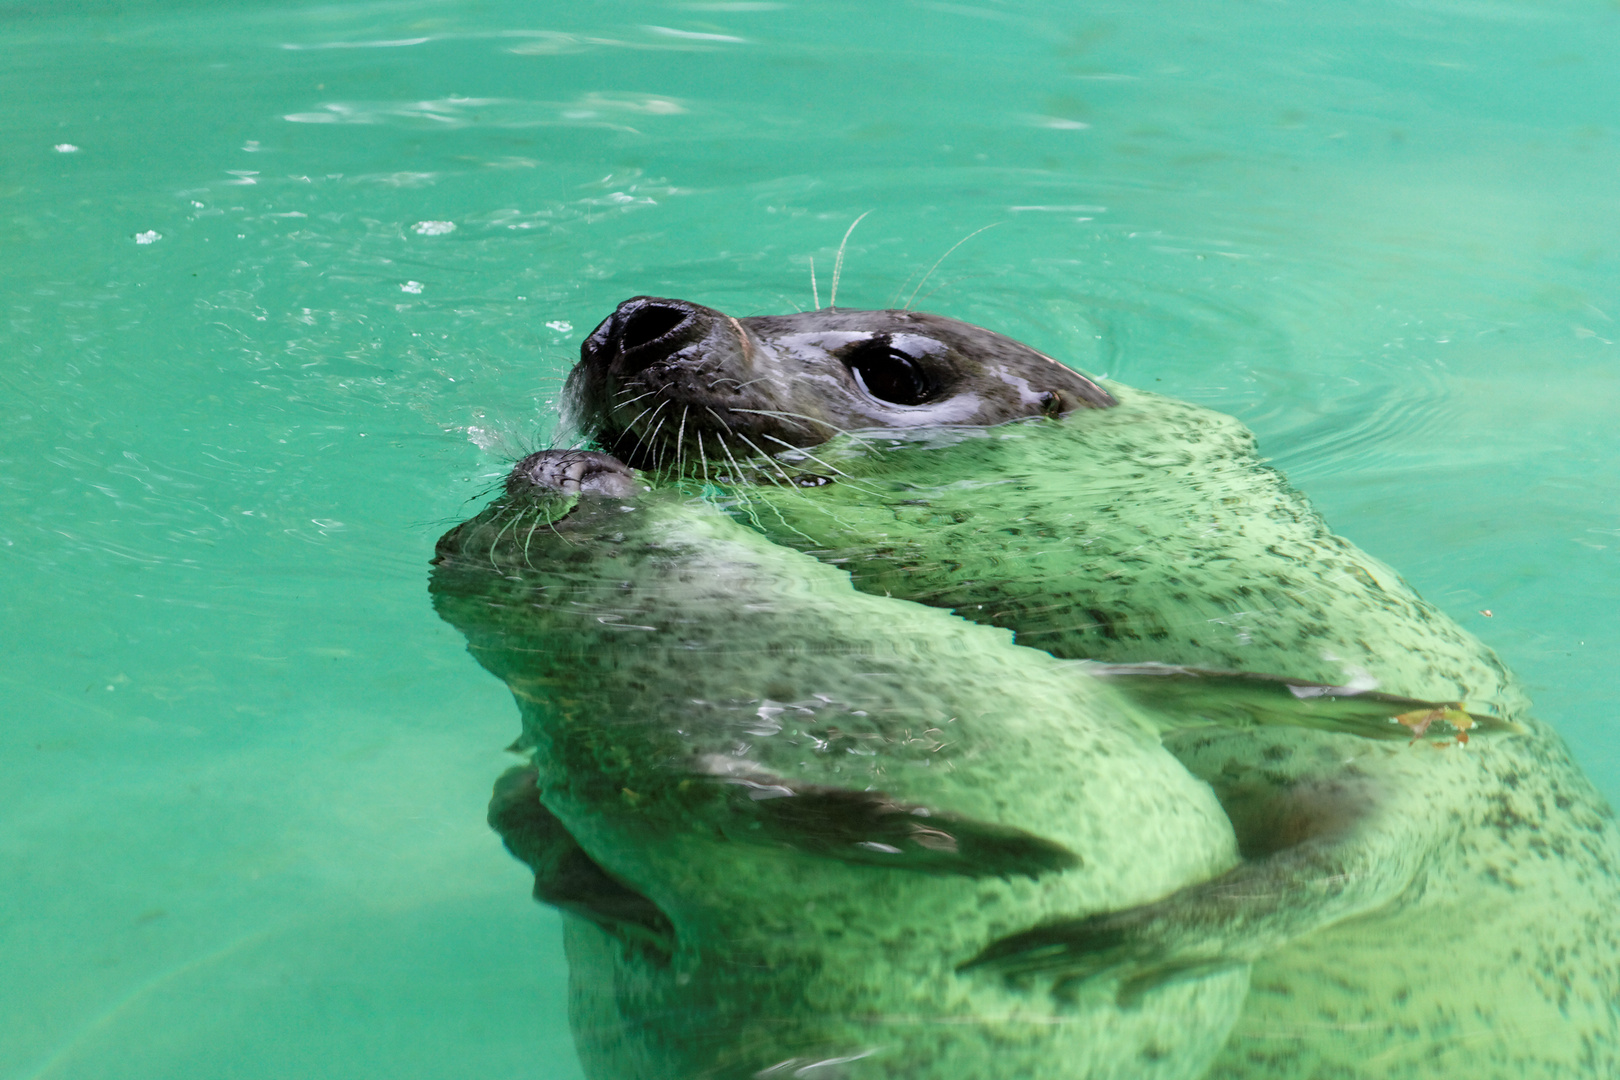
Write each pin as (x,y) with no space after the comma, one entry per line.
(572,472)
(648,330)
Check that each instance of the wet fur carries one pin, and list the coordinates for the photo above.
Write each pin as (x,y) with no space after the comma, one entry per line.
(1412,910)
(779,812)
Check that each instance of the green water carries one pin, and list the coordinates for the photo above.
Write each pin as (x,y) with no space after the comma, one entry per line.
(247,380)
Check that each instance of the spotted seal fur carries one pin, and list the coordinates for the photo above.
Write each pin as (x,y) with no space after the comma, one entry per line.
(1421,910)
(780,812)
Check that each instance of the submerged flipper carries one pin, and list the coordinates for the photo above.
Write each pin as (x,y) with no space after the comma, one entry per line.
(1324,838)
(1231,920)
(564,876)
(1184,697)
(872,828)
(1094,954)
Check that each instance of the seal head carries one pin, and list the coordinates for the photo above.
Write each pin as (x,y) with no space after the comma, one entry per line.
(661,380)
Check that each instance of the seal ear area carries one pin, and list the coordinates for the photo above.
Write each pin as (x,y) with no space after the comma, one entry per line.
(870,828)
(1074,391)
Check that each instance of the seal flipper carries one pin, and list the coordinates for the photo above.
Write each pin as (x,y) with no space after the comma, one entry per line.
(1185,697)
(1324,847)
(870,827)
(1230,920)
(564,876)
(1323,840)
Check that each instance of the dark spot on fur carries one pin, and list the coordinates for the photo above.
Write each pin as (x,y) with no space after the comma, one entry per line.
(1104,624)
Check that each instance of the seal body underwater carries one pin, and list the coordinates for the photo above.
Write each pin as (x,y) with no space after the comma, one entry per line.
(1419,906)
(780,812)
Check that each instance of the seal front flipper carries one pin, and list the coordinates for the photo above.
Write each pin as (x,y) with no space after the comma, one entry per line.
(564,876)
(1186,697)
(1097,955)
(1330,828)
(869,827)
(1231,920)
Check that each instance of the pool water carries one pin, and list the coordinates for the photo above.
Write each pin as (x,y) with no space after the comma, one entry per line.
(286,287)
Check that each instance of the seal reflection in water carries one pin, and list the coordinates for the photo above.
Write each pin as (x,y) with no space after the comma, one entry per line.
(797,803)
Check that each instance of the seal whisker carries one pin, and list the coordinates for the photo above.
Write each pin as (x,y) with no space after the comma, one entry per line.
(527,540)
(644,412)
(767,457)
(638,397)
(825,465)
(654,411)
(680,443)
(543,516)
(838,263)
(848,433)
(941,259)
(799,416)
(952,281)
(723,421)
(495,543)
(815,297)
(741,475)
(743,340)
(895,299)
(499,509)
(703,456)
(799,449)
(651,441)
(738,468)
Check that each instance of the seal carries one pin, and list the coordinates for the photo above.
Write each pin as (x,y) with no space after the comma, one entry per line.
(780,812)
(1421,906)
(757,385)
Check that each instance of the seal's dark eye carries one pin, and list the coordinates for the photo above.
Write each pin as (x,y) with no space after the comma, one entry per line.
(889,374)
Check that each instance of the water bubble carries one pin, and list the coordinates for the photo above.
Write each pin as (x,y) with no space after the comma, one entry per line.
(560,326)
(150,236)
(65,148)
(410,286)
(433,228)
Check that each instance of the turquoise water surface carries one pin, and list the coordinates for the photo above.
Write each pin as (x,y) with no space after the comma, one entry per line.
(286,287)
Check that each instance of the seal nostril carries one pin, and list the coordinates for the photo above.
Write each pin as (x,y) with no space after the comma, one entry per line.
(648,324)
